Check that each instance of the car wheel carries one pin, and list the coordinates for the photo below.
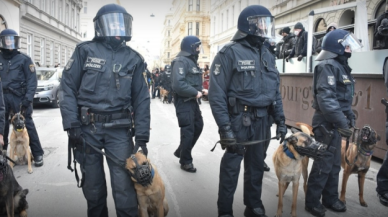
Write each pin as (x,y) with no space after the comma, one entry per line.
(55,103)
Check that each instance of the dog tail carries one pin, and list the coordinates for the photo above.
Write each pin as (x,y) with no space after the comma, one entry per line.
(306,128)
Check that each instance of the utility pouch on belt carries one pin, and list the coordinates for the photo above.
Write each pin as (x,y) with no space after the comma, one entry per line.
(120,123)
(85,117)
(328,135)
(232,105)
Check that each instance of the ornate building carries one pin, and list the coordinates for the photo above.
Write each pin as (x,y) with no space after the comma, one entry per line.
(50,29)
(186,17)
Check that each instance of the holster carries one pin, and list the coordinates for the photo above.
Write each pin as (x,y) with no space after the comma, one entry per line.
(328,135)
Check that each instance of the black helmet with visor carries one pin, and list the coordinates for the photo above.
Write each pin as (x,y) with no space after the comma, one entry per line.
(113,20)
(9,39)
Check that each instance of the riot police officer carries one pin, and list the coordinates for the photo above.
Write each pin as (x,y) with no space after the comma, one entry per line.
(333,93)
(187,87)
(166,82)
(99,96)
(17,72)
(244,90)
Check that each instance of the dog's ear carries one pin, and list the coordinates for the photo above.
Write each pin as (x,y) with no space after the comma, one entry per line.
(292,139)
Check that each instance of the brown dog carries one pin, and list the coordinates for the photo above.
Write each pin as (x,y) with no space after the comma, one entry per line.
(356,159)
(19,142)
(164,95)
(150,192)
(288,167)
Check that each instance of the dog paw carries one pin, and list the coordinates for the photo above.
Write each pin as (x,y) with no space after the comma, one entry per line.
(30,171)
(364,204)
(23,213)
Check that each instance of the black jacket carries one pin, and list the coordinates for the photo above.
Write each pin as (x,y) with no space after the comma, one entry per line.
(286,48)
(88,80)
(381,41)
(186,76)
(333,92)
(248,74)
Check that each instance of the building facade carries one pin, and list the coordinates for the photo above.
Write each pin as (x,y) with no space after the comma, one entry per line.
(186,17)
(50,29)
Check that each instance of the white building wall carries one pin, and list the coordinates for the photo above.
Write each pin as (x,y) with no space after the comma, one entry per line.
(9,13)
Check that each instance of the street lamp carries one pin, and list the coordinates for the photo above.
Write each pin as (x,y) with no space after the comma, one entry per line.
(152,15)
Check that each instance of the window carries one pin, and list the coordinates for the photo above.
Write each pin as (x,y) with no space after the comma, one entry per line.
(222,22)
(198,5)
(67,14)
(85,7)
(214,25)
(60,6)
(190,5)
(52,8)
(65,55)
(168,22)
(43,5)
(197,28)
(42,51)
(29,45)
(59,54)
(51,53)
(233,15)
(168,54)
(190,29)
(168,32)
(72,19)
(227,19)
(168,44)
(77,23)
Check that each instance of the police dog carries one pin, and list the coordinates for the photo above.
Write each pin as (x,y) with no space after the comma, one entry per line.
(149,186)
(289,165)
(20,142)
(12,195)
(356,159)
(163,95)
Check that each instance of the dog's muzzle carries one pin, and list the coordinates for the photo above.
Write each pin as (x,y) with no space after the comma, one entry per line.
(143,173)
(366,135)
(19,123)
(315,150)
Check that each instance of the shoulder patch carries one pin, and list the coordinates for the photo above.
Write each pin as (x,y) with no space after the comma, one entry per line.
(227,46)
(217,69)
(69,64)
(32,68)
(330,80)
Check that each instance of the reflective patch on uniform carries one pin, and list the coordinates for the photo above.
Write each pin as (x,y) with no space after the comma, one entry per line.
(145,77)
(217,69)
(181,71)
(32,68)
(95,60)
(330,80)
(345,79)
(195,70)
(247,64)
(69,64)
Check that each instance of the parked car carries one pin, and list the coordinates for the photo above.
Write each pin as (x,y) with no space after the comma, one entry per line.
(48,86)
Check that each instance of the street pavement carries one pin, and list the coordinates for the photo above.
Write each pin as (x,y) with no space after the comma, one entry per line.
(53,189)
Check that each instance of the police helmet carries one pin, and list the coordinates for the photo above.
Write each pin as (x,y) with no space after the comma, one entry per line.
(113,20)
(383,28)
(191,45)
(335,42)
(255,20)
(9,39)
(167,68)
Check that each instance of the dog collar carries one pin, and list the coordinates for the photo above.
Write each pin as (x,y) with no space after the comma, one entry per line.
(287,151)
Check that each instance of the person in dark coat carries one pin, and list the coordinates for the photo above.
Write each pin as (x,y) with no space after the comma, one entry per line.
(103,95)
(288,43)
(243,92)
(381,30)
(333,88)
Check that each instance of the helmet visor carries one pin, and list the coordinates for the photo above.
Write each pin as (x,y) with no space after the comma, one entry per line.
(114,24)
(197,48)
(262,26)
(351,41)
(10,42)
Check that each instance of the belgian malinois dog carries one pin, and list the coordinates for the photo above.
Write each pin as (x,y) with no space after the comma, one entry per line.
(356,159)
(20,142)
(12,195)
(151,193)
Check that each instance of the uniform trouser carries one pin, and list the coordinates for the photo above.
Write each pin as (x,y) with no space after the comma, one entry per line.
(118,144)
(155,88)
(324,175)
(12,103)
(382,175)
(266,145)
(253,165)
(191,123)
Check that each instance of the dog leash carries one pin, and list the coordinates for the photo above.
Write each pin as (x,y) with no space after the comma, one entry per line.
(245,143)
(8,158)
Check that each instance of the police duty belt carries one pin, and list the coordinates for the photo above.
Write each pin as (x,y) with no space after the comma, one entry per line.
(254,142)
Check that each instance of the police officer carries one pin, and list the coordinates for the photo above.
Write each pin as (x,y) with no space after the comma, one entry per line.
(381,30)
(333,93)
(167,82)
(17,72)
(244,90)
(102,84)
(187,86)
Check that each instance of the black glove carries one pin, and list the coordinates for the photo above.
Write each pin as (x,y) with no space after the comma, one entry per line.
(25,104)
(281,131)
(300,57)
(288,58)
(143,147)
(227,136)
(75,135)
(352,123)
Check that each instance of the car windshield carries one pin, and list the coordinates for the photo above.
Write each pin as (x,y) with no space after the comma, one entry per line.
(46,75)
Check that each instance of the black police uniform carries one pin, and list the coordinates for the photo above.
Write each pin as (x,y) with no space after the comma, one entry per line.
(244,85)
(167,84)
(19,83)
(382,175)
(2,111)
(186,82)
(108,82)
(333,88)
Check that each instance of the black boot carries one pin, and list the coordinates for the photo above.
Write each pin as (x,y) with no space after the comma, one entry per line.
(266,167)
(383,199)
(188,168)
(254,212)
